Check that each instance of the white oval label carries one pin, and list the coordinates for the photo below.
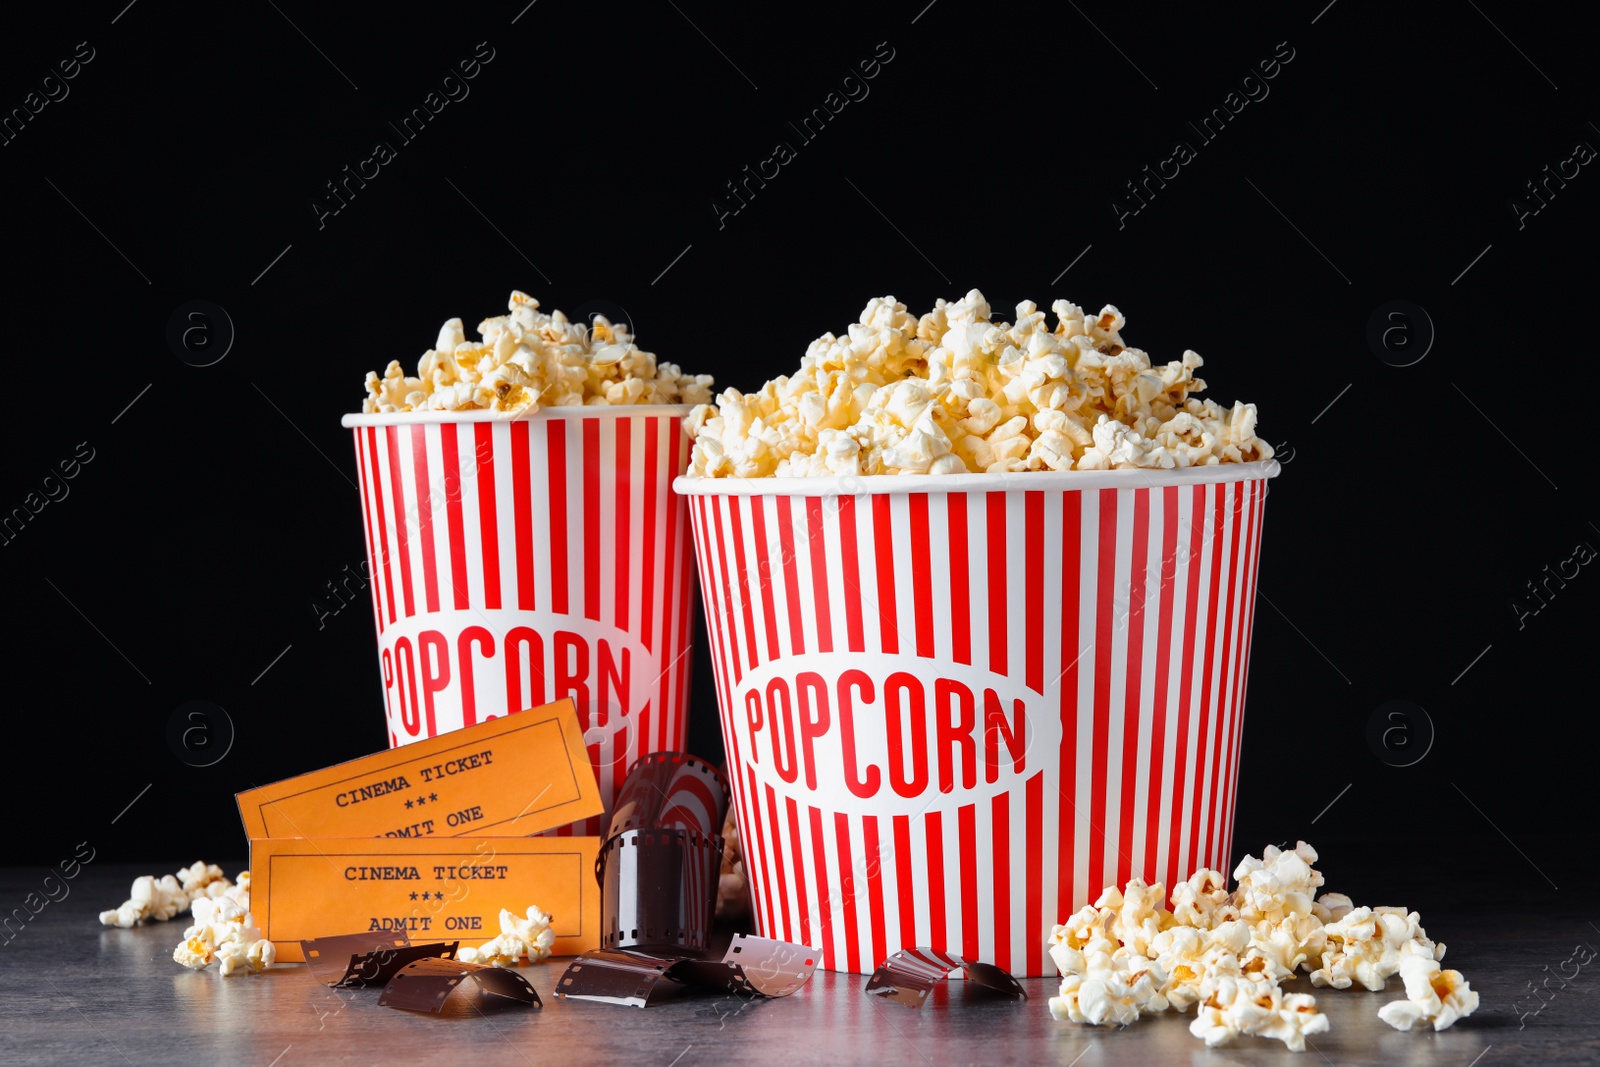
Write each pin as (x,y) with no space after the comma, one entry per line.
(888,735)
(449,669)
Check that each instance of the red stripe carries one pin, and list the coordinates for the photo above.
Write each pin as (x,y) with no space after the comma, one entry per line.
(905,880)
(1033,836)
(852,573)
(1205,678)
(1180,754)
(764,567)
(522,509)
(819,574)
(1132,685)
(729,631)
(880,932)
(556,459)
(488,524)
(623,470)
(1000,828)
(655,481)
(967,837)
(753,820)
(825,903)
(997,582)
(684,661)
(848,888)
(746,608)
(1106,555)
(455,520)
(419,460)
(1158,726)
(791,583)
(619,757)
(797,857)
(777,859)
(373,560)
(1067,814)
(921,574)
(672,556)
(1033,565)
(383,528)
(883,548)
(933,822)
(397,497)
(591,519)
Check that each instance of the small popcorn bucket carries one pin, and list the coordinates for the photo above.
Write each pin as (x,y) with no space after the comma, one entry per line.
(956,707)
(518,561)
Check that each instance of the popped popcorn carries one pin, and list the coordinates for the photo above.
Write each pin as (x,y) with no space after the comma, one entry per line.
(519,937)
(955,391)
(733,889)
(1366,944)
(224,932)
(1433,995)
(1227,954)
(527,360)
(1256,1006)
(170,895)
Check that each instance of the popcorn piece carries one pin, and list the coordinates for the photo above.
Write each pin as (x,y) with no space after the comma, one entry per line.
(527,360)
(152,898)
(519,937)
(733,890)
(1432,995)
(1256,1006)
(1229,953)
(224,931)
(955,391)
(1366,944)
(1203,901)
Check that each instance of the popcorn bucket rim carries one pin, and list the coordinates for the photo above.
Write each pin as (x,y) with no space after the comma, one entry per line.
(584,411)
(1048,481)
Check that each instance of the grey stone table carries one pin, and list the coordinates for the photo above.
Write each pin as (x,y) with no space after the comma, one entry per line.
(73,992)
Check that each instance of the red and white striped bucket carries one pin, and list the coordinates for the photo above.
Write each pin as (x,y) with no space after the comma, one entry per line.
(516,562)
(956,707)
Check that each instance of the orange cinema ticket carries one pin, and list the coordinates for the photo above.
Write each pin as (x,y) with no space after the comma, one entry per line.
(510,776)
(444,889)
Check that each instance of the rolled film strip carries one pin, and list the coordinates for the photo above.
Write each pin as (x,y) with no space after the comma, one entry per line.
(350,961)
(671,790)
(908,976)
(751,967)
(427,985)
(658,889)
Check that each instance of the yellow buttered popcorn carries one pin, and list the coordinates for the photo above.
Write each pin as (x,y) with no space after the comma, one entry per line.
(527,360)
(955,391)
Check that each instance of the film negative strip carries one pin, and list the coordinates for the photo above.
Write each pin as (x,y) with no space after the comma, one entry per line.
(427,985)
(658,888)
(671,790)
(751,967)
(908,976)
(350,961)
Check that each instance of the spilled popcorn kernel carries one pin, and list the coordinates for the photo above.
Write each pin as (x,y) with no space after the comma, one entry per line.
(225,932)
(529,936)
(163,898)
(1227,954)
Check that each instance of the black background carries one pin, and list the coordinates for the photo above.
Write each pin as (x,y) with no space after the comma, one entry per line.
(1408,518)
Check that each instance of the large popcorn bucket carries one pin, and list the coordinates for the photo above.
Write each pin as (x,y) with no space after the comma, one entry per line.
(519,561)
(956,707)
